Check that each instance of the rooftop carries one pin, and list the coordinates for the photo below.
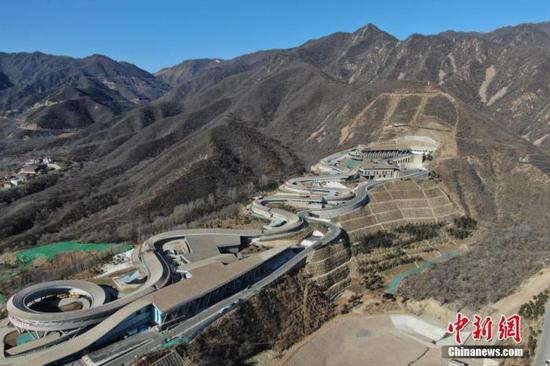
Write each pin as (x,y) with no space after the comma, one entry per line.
(400,145)
(207,278)
(196,247)
(380,165)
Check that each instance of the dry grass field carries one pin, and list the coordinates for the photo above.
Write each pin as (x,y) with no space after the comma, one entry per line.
(362,340)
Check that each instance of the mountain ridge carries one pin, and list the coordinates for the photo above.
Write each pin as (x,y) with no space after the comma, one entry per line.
(51,92)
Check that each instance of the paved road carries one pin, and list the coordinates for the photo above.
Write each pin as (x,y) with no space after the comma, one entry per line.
(543,352)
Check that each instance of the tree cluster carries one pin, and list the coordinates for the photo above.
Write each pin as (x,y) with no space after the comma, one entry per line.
(463,227)
(535,308)
(496,265)
(419,232)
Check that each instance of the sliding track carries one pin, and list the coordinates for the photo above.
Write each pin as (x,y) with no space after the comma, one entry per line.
(319,197)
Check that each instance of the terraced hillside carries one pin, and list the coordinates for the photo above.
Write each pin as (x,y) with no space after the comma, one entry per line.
(329,268)
(398,203)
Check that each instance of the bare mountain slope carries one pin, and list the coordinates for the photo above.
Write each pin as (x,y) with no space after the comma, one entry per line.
(263,117)
(501,74)
(56,92)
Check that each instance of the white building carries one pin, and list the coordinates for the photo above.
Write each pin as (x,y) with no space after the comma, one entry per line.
(379,170)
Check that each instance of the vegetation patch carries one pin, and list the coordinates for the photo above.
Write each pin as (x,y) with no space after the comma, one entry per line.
(534,308)
(354,301)
(420,232)
(400,236)
(380,239)
(532,313)
(50,251)
(499,262)
(403,246)
(463,227)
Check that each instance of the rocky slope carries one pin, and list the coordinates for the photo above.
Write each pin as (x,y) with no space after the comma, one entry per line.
(502,74)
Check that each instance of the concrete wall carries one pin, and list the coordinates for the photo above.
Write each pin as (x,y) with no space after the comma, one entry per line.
(329,267)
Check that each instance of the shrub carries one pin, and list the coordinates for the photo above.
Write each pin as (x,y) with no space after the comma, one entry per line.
(421,231)
(463,227)
(466,223)
(458,233)
(380,239)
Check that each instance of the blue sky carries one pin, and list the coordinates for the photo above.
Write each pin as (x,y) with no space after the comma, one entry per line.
(155,34)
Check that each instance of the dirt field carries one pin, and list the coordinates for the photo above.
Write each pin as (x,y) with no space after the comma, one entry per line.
(533,286)
(362,340)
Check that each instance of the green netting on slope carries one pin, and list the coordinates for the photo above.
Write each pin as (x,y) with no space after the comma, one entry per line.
(396,280)
(171,343)
(49,251)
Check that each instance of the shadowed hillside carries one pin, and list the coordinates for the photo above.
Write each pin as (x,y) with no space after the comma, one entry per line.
(47,92)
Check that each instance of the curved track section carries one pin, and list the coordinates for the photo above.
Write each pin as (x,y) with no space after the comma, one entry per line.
(290,222)
(23,316)
(75,344)
(152,265)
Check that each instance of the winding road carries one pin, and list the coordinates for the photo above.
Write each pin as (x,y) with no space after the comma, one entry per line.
(543,353)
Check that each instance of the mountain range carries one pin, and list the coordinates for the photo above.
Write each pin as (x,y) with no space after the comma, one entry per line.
(60,93)
(189,140)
